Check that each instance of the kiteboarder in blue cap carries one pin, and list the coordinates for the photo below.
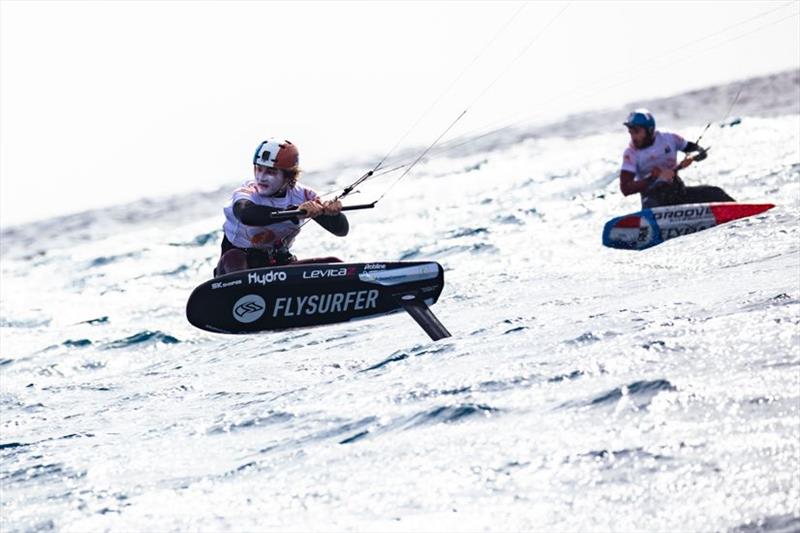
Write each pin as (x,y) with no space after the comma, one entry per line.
(649,166)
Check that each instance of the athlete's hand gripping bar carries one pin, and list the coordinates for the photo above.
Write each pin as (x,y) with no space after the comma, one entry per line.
(689,159)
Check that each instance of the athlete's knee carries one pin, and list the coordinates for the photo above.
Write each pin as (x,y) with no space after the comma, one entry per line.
(231,261)
(318,260)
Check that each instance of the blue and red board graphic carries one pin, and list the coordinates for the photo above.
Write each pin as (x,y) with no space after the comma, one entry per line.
(650,227)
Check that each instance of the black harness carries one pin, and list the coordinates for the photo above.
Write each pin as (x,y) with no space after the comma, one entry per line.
(258,258)
(666,194)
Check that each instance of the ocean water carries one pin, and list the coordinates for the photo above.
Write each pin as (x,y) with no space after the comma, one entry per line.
(584,388)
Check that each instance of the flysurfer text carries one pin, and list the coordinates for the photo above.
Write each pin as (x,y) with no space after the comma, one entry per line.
(318,304)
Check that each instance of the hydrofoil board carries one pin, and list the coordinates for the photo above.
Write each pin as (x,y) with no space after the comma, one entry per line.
(277,298)
(653,226)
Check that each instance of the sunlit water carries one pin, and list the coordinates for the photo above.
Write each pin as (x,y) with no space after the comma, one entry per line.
(584,388)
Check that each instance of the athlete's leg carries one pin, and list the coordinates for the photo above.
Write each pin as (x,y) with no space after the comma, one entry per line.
(702,194)
(233,260)
(674,194)
(315,260)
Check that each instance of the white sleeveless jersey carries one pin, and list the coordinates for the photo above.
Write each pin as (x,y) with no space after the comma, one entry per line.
(663,153)
(274,236)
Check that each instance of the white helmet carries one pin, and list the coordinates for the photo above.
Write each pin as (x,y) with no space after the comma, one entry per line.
(277,154)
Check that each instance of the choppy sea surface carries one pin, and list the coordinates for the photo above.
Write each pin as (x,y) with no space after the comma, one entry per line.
(584,388)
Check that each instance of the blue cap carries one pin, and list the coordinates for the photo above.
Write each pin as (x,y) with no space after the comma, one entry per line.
(641,117)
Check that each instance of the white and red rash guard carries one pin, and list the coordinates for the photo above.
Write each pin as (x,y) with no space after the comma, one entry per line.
(274,236)
(663,153)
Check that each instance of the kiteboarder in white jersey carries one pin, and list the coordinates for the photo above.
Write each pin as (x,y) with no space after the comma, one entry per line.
(649,166)
(252,239)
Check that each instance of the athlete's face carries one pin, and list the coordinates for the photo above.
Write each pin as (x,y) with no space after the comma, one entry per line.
(638,135)
(269,180)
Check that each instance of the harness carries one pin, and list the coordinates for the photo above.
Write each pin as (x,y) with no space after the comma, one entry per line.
(258,258)
(673,194)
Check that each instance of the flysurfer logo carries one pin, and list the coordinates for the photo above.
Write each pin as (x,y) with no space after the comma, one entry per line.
(319,304)
(263,278)
(249,308)
(327,273)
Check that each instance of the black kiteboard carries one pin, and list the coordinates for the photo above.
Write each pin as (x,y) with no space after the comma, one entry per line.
(276,298)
